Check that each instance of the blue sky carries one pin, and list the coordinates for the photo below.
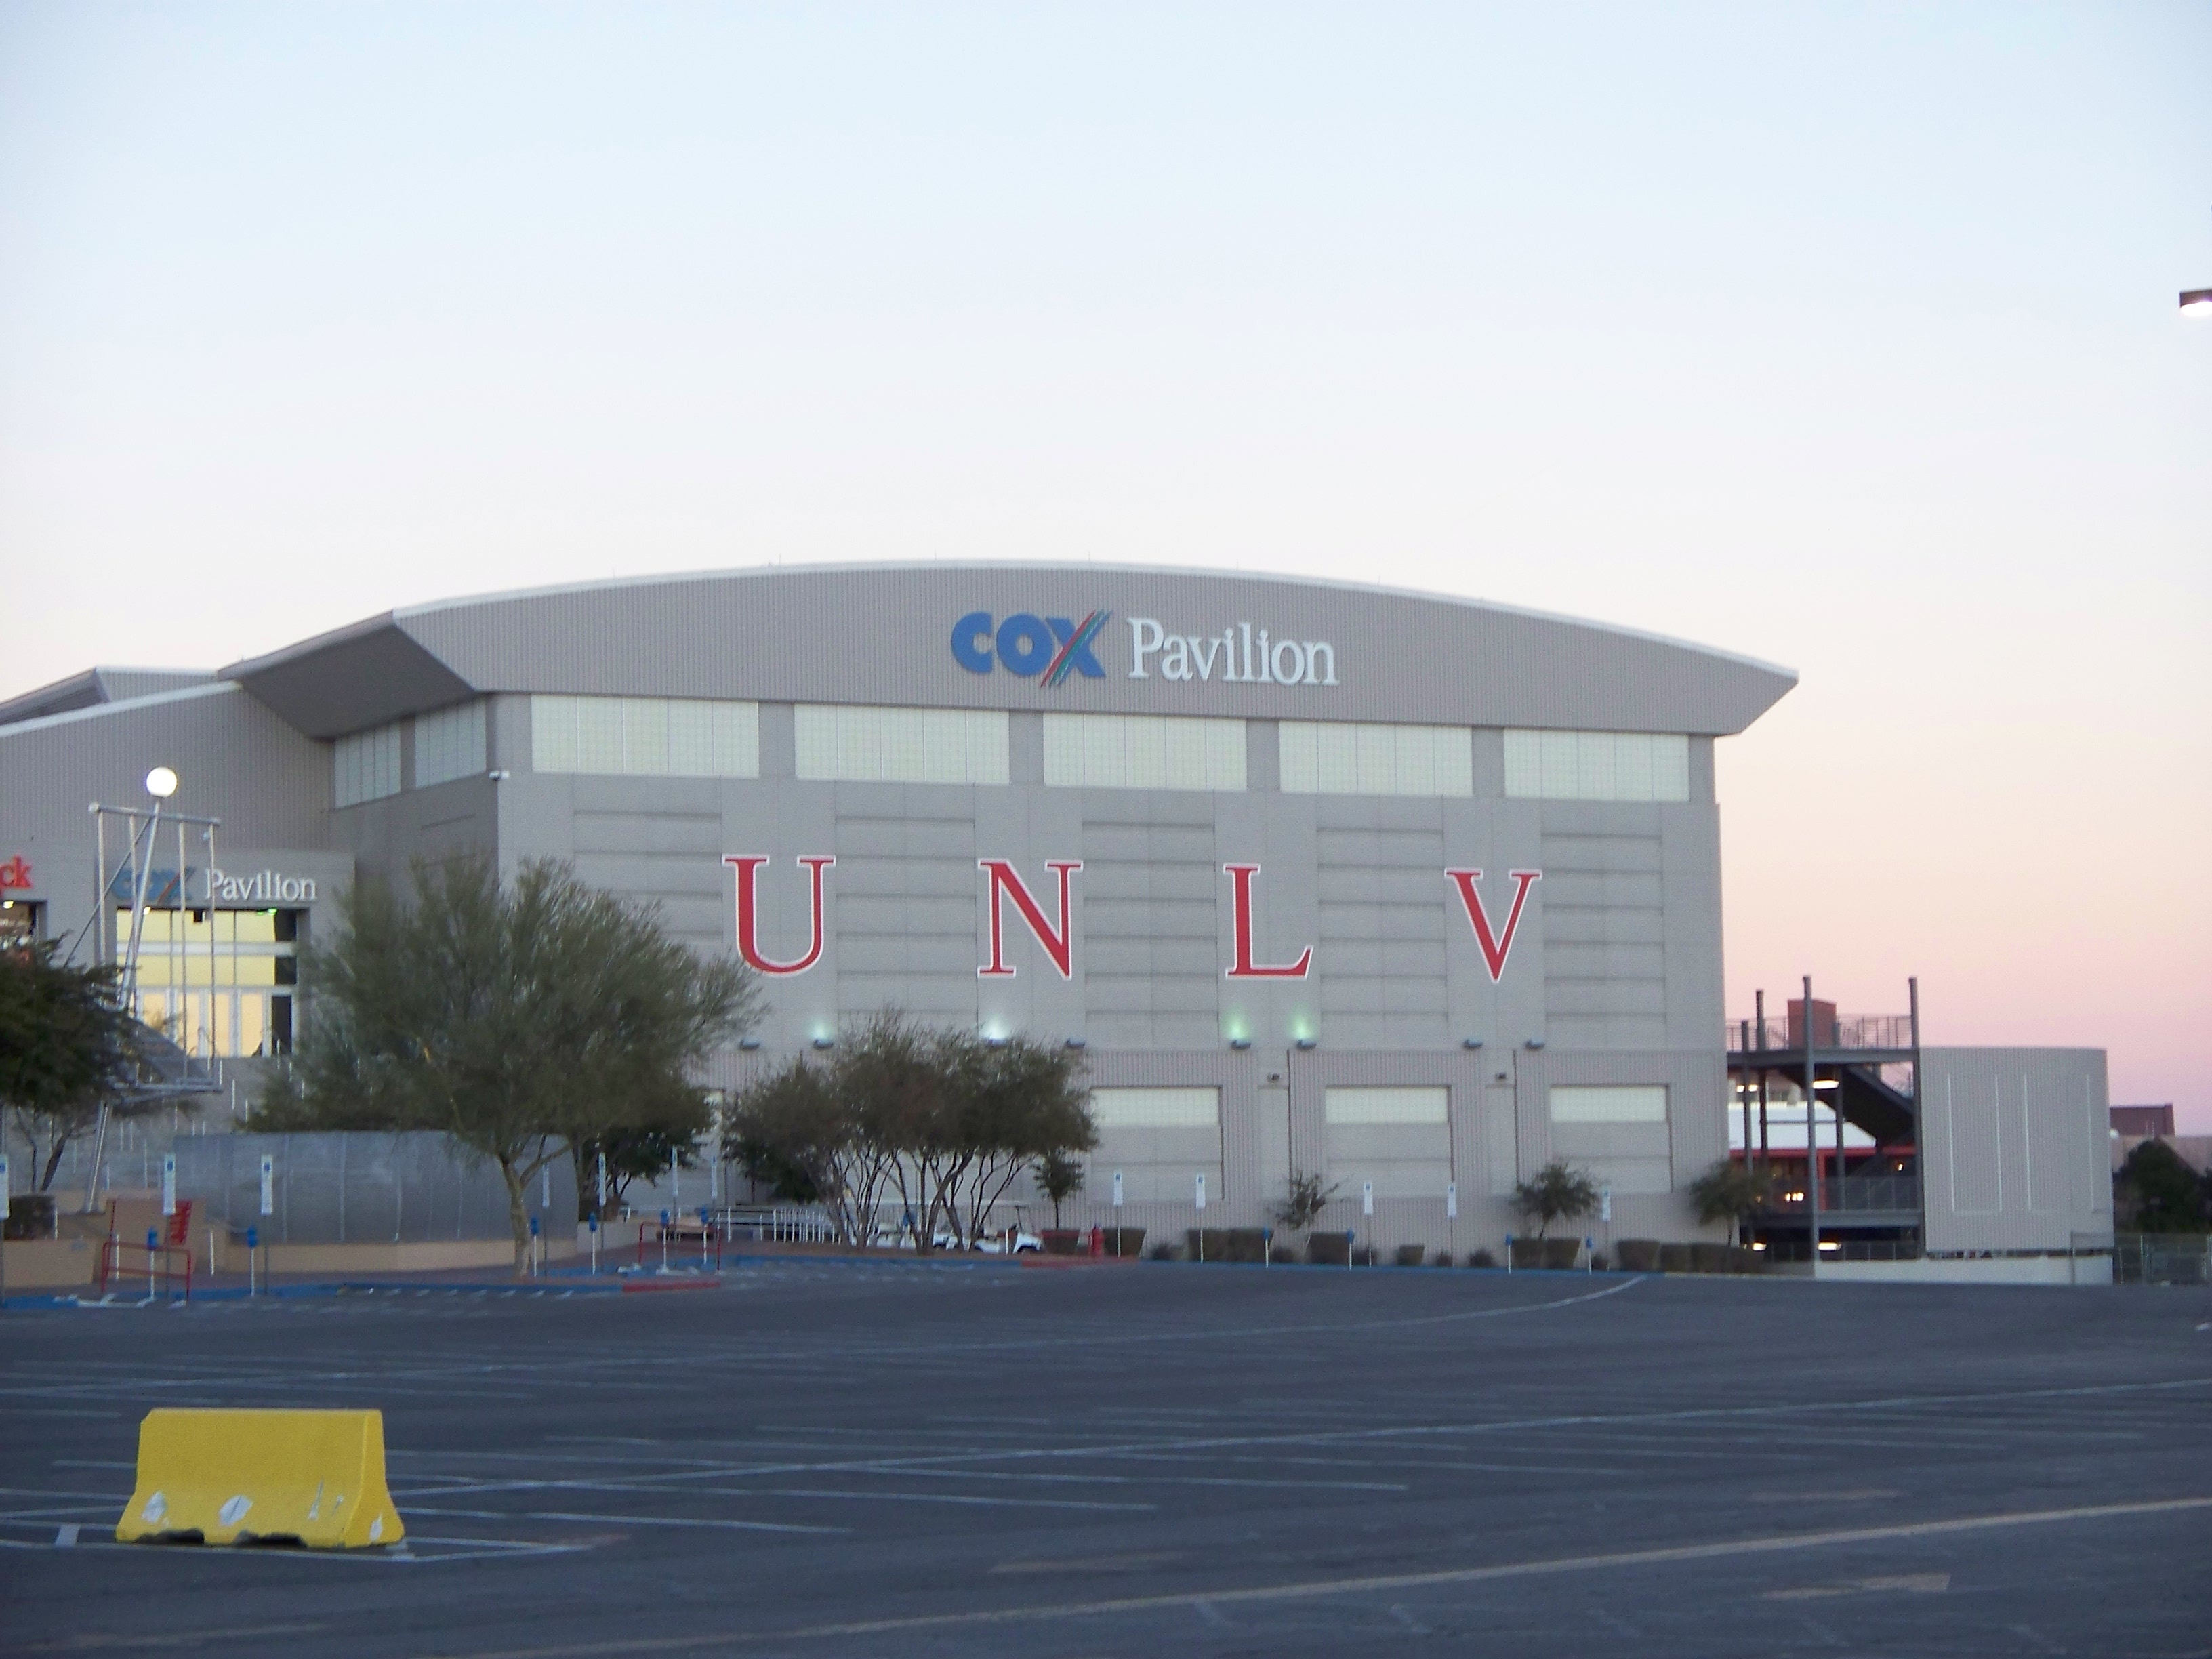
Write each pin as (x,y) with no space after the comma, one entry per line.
(1842,336)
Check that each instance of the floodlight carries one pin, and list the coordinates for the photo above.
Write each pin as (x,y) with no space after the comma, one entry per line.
(2197,302)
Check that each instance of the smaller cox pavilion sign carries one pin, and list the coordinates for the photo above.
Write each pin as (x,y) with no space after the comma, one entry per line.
(256,889)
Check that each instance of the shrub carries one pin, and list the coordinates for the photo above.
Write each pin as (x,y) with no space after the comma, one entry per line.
(1166,1252)
(1481,1259)
(1637,1255)
(1443,1258)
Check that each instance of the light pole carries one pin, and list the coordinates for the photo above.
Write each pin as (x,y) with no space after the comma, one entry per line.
(160,784)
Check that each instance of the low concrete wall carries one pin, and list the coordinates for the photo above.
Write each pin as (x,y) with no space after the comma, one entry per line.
(345,1260)
(1974,1270)
(47,1264)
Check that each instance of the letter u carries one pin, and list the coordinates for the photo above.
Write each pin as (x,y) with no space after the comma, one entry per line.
(747,865)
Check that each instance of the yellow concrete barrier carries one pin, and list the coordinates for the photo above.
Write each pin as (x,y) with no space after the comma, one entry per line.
(241,1477)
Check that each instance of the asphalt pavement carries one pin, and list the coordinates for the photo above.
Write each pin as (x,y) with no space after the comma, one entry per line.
(898,1458)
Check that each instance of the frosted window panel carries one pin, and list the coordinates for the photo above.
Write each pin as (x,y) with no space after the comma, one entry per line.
(449,744)
(1614,766)
(645,736)
(853,744)
(714,739)
(1155,1109)
(365,766)
(553,734)
(1386,1105)
(1609,1103)
(1356,758)
(1143,751)
(599,734)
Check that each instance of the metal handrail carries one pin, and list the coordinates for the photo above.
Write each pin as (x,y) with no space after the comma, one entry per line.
(1846,1194)
(1851,1031)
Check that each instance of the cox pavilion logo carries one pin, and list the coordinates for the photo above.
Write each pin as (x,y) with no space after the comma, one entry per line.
(1050,649)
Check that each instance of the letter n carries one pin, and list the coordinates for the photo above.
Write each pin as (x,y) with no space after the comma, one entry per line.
(1059,947)
(1495,946)
(747,865)
(1240,913)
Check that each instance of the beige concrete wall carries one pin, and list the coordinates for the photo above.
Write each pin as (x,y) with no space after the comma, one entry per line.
(339,1260)
(47,1264)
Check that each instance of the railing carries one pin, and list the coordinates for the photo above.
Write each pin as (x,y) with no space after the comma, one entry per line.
(162,1264)
(1845,1250)
(680,1243)
(1848,1194)
(779,1225)
(2162,1259)
(1849,1031)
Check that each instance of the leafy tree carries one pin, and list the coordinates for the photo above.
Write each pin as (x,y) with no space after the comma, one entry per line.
(519,1018)
(2160,1191)
(1559,1193)
(1309,1195)
(1014,1101)
(943,1120)
(1059,1177)
(1732,1191)
(667,1135)
(66,1044)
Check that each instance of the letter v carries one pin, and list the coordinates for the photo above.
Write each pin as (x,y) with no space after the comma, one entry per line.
(1495,947)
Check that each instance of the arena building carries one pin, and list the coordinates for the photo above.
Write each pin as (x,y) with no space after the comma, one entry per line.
(1413,892)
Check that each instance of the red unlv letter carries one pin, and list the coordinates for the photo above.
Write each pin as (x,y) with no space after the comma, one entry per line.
(747,865)
(1494,948)
(1240,914)
(1058,947)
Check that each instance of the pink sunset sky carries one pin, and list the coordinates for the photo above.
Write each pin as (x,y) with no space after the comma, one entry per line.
(1841,337)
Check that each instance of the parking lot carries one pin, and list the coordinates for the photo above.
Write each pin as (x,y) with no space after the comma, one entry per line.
(822,1457)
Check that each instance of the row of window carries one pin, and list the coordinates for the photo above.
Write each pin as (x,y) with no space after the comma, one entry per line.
(673,736)
(449,744)
(1200,1109)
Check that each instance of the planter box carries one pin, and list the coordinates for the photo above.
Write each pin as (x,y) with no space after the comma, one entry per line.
(1525,1253)
(1412,1255)
(1675,1259)
(1560,1253)
(1122,1241)
(1636,1255)
(1744,1259)
(1329,1250)
(1709,1258)
(1061,1241)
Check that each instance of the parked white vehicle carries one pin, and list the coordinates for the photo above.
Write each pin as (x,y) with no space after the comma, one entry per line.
(1021,1242)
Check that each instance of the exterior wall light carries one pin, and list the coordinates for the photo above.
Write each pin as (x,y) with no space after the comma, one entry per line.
(824,1043)
(1077,1043)
(1534,1042)
(1470,1042)
(748,1043)
(1240,1043)
(1306,1042)
(160,783)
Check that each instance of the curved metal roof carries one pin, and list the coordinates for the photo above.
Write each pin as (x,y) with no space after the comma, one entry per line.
(882,634)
